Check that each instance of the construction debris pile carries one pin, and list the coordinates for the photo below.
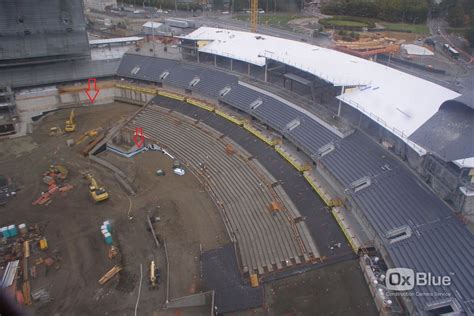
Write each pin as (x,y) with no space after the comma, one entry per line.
(106,232)
(24,256)
(55,179)
(7,190)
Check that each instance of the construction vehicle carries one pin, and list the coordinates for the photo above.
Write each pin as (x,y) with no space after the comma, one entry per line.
(54,131)
(89,133)
(154,276)
(254,280)
(98,193)
(70,123)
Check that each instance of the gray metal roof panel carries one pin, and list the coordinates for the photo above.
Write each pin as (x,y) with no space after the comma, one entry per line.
(9,274)
(181,76)
(212,82)
(355,157)
(442,248)
(150,68)
(312,135)
(241,97)
(466,99)
(396,198)
(275,113)
(449,133)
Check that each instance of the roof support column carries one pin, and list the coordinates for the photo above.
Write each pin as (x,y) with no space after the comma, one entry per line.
(340,102)
(215,61)
(231,64)
(248,69)
(197,52)
(266,69)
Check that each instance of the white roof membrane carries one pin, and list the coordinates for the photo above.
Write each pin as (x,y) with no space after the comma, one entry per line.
(398,101)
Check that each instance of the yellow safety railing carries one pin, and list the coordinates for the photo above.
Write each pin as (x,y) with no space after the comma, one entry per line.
(172,95)
(290,159)
(230,117)
(136,88)
(200,104)
(318,190)
(258,134)
(349,237)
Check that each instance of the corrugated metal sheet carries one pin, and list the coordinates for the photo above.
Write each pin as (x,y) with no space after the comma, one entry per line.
(356,157)
(396,198)
(449,134)
(10,273)
(444,249)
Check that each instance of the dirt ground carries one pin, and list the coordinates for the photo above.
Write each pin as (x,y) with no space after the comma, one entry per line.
(188,221)
(317,292)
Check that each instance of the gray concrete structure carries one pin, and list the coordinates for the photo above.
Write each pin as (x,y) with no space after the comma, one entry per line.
(37,31)
(267,241)
(402,215)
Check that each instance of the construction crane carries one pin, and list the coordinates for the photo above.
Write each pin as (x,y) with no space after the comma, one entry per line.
(98,193)
(70,123)
(253,15)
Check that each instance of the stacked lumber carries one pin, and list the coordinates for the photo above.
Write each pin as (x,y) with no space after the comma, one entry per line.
(110,274)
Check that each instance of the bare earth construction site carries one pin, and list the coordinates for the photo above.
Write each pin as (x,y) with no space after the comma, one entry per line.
(190,221)
(224,172)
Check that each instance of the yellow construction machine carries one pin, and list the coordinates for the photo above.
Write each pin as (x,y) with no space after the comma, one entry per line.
(89,133)
(98,193)
(70,123)
(154,276)
(55,131)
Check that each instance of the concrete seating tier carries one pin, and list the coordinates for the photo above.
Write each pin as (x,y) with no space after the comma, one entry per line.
(266,241)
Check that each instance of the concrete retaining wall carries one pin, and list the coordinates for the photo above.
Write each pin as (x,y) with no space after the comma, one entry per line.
(136,96)
(35,102)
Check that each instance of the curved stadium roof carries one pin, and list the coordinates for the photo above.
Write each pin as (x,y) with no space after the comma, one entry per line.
(396,100)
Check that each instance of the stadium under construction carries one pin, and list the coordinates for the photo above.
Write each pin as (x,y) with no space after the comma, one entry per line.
(299,159)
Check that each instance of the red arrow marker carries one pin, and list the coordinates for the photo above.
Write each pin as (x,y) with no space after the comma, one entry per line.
(138,137)
(93,95)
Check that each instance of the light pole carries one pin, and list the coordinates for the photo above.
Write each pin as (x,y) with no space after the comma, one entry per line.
(153,34)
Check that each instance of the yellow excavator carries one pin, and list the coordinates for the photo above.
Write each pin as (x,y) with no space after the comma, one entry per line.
(70,123)
(98,193)
(89,133)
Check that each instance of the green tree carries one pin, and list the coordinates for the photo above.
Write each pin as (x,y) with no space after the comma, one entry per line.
(410,11)
(470,31)
(456,15)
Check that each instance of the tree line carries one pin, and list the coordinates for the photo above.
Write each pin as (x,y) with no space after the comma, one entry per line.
(459,14)
(269,5)
(235,5)
(404,11)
